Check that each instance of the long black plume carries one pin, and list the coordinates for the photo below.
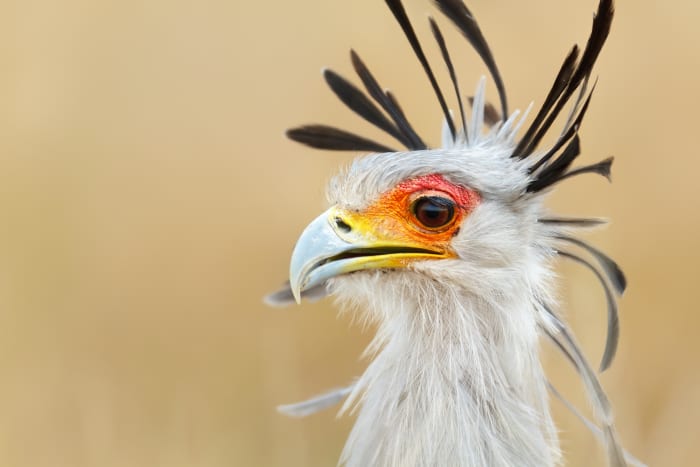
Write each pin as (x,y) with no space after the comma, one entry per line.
(460,15)
(610,267)
(387,104)
(613,334)
(599,33)
(600,168)
(395,103)
(328,137)
(361,105)
(399,12)
(451,69)
(552,173)
(573,221)
(560,83)
(566,135)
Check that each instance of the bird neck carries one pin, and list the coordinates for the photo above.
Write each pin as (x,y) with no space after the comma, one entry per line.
(456,380)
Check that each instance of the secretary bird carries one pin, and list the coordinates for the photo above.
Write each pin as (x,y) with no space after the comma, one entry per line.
(449,252)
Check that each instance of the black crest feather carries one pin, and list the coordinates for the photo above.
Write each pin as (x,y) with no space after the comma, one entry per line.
(460,15)
(573,221)
(570,77)
(328,137)
(552,173)
(613,334)
(450,68)
(361,105)
(525,145)
(601,168)
(610,267)
(390,106)
(566,136)
(399,12)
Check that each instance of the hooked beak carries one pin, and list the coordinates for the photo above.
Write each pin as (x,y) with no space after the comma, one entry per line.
(339,242)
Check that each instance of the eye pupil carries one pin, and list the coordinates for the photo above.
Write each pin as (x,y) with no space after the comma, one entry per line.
(433,211)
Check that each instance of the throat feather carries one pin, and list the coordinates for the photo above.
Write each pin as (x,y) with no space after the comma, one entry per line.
(454,380)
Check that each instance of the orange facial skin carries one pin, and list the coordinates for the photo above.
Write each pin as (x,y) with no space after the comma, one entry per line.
(390,222)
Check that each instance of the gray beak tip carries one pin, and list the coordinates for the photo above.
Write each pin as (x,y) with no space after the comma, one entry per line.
(297,295)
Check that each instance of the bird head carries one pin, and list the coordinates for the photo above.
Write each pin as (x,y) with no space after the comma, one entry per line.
(448,216)
(454,212)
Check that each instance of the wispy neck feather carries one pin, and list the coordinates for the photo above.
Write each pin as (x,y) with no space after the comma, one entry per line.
(456,380)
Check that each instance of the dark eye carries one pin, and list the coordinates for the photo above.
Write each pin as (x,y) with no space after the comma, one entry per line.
(433,211)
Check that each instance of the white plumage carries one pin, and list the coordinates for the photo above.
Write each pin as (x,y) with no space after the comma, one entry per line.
(461,355)
(455,376)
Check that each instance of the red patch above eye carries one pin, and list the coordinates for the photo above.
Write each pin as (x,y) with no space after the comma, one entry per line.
(464,197)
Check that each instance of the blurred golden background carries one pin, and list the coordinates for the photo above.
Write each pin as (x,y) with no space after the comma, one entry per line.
(149,200)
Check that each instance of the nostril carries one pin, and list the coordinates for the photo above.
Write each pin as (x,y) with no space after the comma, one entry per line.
(342,225)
